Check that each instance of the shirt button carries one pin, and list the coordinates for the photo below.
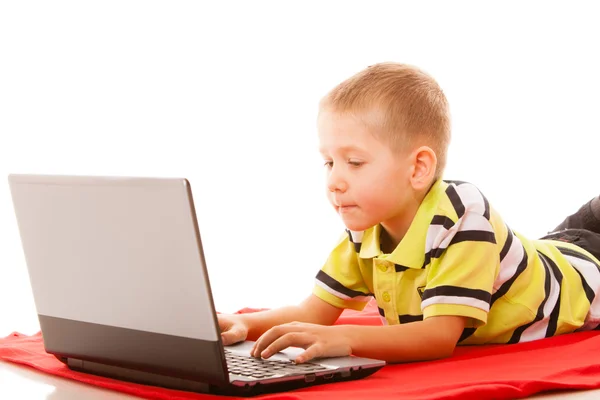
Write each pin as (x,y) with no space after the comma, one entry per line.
(383,267)
(386,297)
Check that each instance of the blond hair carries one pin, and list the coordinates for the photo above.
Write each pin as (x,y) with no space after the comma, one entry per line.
(401,103)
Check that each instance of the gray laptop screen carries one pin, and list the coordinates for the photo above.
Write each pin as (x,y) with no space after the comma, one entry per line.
(115,251)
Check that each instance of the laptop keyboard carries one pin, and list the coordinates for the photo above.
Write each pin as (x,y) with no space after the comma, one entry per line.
(251,367)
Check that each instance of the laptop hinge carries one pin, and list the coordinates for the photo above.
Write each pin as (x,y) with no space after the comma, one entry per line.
(133,375)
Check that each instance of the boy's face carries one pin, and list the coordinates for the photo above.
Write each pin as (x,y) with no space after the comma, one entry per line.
(367,182)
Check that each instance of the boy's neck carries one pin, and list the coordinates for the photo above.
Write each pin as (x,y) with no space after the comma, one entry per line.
(386,243)
(394,230)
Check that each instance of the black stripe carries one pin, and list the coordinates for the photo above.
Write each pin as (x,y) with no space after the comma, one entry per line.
(437,253)
(459,207)
(427,259)
(407,318)
(486,212)
(400,268)
(442,220)
(553,322)
(381,312)
(338,287)
(507,244)
(516,336)
(506,285)
(573,253)
(473,236)
(457,291)
(433,253)
(356,245)
(589,292)
(466,333)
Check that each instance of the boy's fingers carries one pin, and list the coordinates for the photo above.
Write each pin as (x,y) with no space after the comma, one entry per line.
(297,339)
(232,336)
(310,353)
(226,338)
(273,335)
(266,339)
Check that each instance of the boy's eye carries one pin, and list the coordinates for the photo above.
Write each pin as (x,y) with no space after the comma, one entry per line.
(328,164)
(355,163)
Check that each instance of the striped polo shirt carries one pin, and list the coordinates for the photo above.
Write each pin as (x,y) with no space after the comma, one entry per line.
(459,258)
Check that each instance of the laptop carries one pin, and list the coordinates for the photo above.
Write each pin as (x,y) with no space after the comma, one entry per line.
(121,289)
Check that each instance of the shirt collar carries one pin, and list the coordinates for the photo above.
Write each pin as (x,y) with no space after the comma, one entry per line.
(410,252)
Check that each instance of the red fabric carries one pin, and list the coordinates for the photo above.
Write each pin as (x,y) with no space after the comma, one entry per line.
(480,372)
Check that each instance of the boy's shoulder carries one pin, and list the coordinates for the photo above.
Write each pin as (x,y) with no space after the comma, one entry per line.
(461,197)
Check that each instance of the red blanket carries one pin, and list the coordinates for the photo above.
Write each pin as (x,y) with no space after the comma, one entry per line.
(483,372)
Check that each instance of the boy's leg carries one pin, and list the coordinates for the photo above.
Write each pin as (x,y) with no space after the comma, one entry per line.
(587,217)
(581,228)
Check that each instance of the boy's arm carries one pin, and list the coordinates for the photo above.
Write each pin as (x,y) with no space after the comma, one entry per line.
(312,310)
(433,338)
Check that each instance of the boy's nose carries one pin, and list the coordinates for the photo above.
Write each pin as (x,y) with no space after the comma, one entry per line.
(335,183)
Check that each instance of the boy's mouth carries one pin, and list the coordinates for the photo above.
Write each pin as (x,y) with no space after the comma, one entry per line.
(345,208)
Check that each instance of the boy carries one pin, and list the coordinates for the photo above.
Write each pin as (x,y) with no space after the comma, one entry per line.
(440,262)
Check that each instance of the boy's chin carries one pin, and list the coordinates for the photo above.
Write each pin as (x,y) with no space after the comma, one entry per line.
(356,226)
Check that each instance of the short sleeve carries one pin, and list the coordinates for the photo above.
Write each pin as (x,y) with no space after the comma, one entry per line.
(340,281)
(462,271)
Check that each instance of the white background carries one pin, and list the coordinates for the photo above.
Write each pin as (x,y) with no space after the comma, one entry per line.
(226,93)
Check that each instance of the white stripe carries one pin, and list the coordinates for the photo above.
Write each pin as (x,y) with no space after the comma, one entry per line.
(461,300)
(435,235)
(362,299)
(471,198)
(539,328)
(446,242)
(510,263)
(474,222)
(590,273)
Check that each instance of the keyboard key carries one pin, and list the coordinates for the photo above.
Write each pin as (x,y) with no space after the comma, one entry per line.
(249,366)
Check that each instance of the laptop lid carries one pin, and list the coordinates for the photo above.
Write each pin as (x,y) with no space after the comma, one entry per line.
(118,274)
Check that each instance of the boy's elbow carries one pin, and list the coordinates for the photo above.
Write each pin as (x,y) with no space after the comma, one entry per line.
(446,335)
(428,348)
(429,352)
(443,336)
(446,348)
(438,348)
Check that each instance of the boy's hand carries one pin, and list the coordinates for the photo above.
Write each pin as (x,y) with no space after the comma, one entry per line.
(318,340)
(233,329)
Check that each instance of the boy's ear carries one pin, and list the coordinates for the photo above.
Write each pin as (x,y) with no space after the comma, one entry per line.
(424,162)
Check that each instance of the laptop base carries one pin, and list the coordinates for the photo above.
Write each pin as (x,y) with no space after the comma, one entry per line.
(249,390)
(131,375)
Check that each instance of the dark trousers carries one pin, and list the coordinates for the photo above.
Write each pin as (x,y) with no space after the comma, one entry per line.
(581,229)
